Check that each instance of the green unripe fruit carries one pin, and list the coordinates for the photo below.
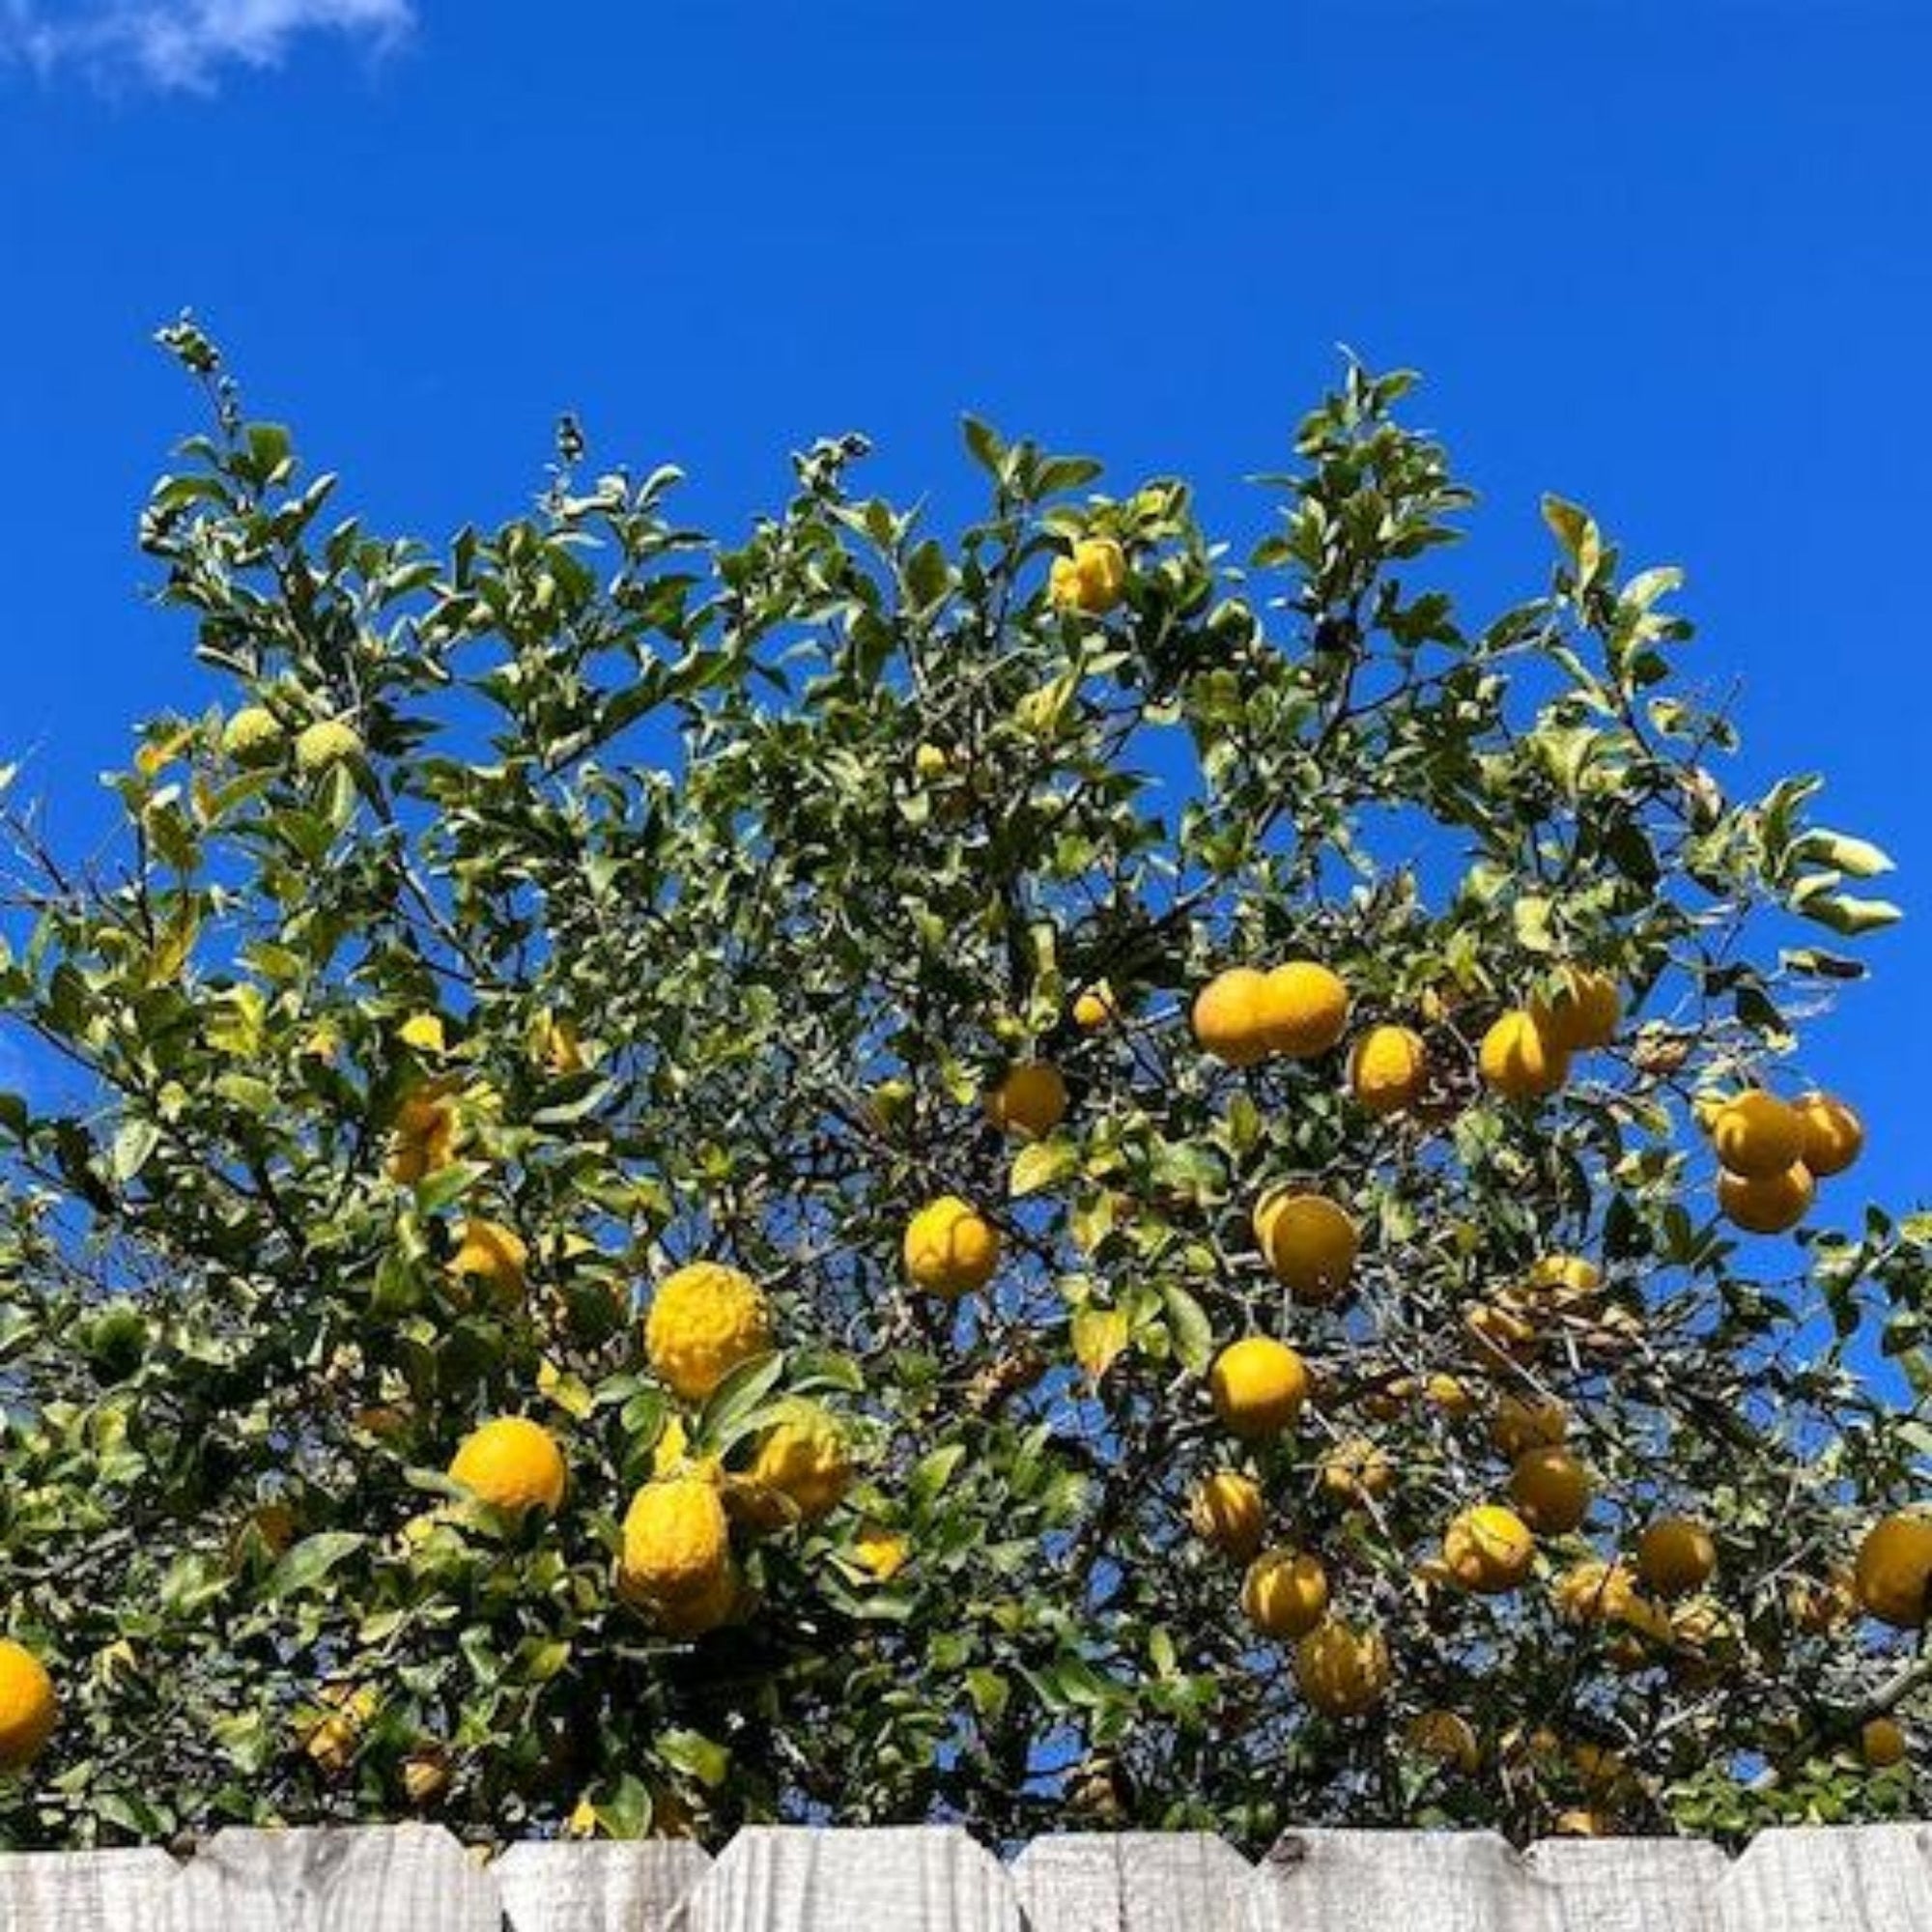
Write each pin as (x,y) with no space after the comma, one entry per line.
(321,747)
(254,737)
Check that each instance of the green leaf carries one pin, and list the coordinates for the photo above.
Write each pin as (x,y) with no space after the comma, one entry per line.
(734,1403)
(1043,1164)
(308,1562)
(1858,858)
(1188,1325)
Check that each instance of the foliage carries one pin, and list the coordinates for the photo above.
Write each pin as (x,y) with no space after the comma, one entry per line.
(705,889)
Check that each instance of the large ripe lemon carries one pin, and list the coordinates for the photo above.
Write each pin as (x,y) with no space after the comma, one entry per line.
(1447,1737)
(677,1540)
(1520,1060)
(951,1248)
(1893,1576)
(1227,1512)
(1582,1011)
(1834,1135)
(1770,1205)
(29,1708)
(1387,1070)
(704,1320)
(1230,1017)
(1257,1386)
(1285,1593)
(1309,1242)
(1343,1672)
(512,1464)
(1093,580)
(495,1258)
(1489,1549)
(802,1467)
(1029,1101)
(1757,1135)
(1305,1009)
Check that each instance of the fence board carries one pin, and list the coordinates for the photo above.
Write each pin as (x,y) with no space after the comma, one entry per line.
(599,1887)
(402,1877)
(83,1892)
(783,1878)
(1455,1882)
(1830,1878)
(1132,1882)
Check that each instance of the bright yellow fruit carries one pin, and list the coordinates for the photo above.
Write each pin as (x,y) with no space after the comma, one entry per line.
(495,1258)
(1565,1279)
(1834,1135)
(1595,1591)
(1341,1672)
(695,1615)
(1523,1423)
(512,1464)
(29,1709)
(1582,1822)
(1357,1471)
(1893,1573)
(931,761)
(1447,1737)
(1259,1385)
(1387,1070)
(1230,1017)
(1489,1549)
(880,1551)
(951,1248)
(333,1739)
(1449,1393)
(1881,1742)
(1227,1512)
(1551,1489)
(425,1135)
(1520,1060)
(1582,1013)
(1309,1242)
(704,1320)
(324,746)
(804,1462)
(677,1542)
(1096,1007)
(1773,1205)
(1676,1555)
(1757,1135)
(1093,580)
(1305,1009)
(1285,1593)
(1030,1100)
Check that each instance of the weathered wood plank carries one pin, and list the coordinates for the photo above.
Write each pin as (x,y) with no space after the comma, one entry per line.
(793,1879)
(1132,1882)
(1834,1878)
(1459,1881)
(403,1878)
(83,1892)
(600,1887)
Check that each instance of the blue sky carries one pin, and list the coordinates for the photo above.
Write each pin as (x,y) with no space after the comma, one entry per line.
(1672,261)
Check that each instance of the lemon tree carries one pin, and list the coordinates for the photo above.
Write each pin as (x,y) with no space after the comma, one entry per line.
(1053,1170)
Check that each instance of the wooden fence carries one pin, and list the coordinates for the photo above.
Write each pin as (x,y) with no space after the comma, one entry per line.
(418,1879)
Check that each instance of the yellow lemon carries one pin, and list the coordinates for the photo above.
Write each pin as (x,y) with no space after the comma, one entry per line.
(1565,1278)
(1551,1489)
(1098,1006)
(1387,1070)
(512,1464)
(1259,1385)
(1285,1593)
(1582,1012)
(676,1540)
(1757,1135)
(1030,1100)
(1343,1672)
(1309,1242)
(29,1709)
(1489,1549)
(714,1603)
(951,1248)
(804,1462)
(1893,1576)
(1230,1017)
(1305,1009)
(1520,1060)
(1770,1205)
(704,1320)
(879,1551)
(1834,1135)
(1449,1393)
(1676,1555)
(1357,1471)
(495,1258)
(1595,1591)
(1227,1512)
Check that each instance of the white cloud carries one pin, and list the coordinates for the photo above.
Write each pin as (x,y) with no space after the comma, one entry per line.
(184,43)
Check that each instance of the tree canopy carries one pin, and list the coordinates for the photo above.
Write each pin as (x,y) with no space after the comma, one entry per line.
(1056,1171)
